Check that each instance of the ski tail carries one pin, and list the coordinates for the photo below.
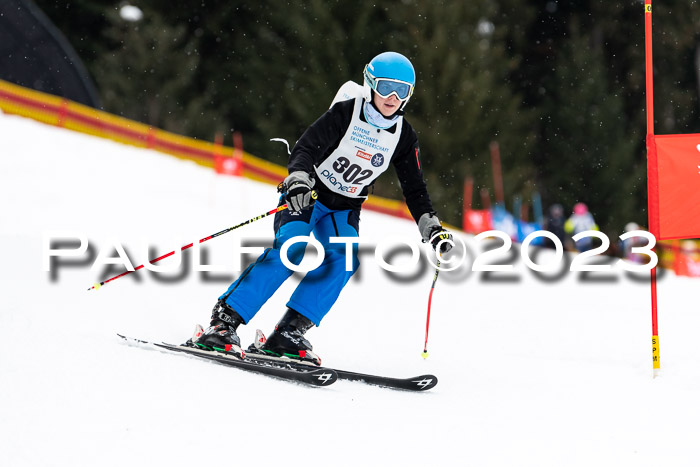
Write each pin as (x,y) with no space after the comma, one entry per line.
(314,377)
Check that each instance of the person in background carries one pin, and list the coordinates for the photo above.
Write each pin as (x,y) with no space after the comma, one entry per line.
(555,224)
(627,245)
(580,221)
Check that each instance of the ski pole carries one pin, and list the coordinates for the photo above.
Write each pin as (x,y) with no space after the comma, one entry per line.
(273,211)
(430,300)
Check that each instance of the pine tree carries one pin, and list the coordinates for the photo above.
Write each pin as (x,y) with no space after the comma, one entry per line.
(463,98)
(147,73)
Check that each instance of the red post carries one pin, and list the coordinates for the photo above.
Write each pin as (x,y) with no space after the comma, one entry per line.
(225,164)
(497,172)
(652,177)
(62,113)
(468,191)
(238,153)
(524,212)
(217,153)
(467,200)
(151,138)
(485,198)
(218,144)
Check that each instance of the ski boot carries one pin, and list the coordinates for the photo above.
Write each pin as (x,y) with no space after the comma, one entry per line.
(287,340)
(221,333)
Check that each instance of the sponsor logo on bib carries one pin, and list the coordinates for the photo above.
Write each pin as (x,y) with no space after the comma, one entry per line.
(336,183)
(366,156)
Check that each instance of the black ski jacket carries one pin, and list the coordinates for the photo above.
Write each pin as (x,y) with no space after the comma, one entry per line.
(322,138)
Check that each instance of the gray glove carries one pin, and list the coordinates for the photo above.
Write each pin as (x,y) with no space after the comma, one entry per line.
(298,192)
(432,231)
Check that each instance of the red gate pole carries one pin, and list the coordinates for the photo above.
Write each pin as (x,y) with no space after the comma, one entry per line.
(467,200)
(497,173)
(652,179)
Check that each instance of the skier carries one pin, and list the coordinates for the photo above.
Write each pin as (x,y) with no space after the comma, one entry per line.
(580,221)
(338,158)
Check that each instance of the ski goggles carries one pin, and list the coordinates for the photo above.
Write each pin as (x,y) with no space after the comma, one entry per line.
(385,87)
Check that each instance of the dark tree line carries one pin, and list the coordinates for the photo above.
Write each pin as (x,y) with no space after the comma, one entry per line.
(559,84)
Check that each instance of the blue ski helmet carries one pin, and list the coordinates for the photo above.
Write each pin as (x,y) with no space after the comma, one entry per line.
(389,73)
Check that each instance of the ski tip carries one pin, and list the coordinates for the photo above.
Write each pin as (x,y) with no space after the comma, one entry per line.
(133,340)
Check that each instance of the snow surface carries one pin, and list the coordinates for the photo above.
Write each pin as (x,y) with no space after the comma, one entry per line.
(532,372)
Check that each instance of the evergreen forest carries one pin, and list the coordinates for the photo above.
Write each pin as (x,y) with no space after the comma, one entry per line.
(560,85)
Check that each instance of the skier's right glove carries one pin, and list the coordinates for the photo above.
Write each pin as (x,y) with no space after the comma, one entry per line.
(298,191)
(432,231)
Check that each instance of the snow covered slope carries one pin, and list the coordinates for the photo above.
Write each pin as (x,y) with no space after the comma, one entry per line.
(533,371)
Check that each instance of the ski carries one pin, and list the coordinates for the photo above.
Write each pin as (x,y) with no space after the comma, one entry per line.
(416,383)
(312,376)
(291,367)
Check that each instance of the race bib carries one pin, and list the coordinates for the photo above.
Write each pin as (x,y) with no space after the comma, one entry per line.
(363,154)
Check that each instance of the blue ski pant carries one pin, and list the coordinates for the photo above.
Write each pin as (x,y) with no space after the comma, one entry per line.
(320,288)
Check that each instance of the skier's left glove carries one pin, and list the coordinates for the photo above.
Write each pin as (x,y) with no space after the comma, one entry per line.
(432,231)
(298,191)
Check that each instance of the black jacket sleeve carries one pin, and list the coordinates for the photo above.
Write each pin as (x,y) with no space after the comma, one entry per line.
(406,161)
